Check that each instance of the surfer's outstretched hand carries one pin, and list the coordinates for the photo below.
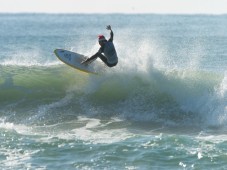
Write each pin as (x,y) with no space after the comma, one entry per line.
(85,62)
(108,27)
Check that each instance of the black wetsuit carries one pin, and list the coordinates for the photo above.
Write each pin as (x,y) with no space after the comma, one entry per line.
(110,56)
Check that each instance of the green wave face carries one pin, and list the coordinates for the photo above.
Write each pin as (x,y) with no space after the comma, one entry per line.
(58,93)
(37,83)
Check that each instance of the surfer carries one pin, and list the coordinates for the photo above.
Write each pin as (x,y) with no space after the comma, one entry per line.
(107,48)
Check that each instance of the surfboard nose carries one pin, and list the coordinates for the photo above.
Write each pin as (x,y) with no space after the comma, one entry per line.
(57,51)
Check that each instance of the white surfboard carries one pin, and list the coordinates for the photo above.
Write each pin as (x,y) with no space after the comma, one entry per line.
(74,60)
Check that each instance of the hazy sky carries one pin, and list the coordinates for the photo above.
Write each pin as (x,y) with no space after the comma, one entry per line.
(115,6)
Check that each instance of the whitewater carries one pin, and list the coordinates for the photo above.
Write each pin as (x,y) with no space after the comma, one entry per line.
(164,106)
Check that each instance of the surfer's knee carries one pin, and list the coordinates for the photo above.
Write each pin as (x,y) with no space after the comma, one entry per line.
(111,65)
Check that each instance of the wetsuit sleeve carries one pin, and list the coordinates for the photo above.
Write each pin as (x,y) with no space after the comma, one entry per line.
(96,54)
(111,36)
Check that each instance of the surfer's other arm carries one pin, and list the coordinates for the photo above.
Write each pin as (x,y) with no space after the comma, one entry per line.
(91,58)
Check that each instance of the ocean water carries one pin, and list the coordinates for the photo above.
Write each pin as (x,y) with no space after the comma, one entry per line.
(164,106)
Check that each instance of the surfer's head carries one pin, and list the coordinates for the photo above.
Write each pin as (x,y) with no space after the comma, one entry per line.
(101,39)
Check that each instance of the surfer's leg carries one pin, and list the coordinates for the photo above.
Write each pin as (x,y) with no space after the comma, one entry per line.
(103,58)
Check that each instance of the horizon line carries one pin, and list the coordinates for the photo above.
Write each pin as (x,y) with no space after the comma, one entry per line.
(112,13)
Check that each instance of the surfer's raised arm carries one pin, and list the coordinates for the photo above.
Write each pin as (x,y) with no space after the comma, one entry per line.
(108,27)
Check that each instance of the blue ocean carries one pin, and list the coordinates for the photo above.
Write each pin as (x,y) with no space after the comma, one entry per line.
(164,106)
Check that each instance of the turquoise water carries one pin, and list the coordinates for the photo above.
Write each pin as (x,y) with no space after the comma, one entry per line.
(164,106)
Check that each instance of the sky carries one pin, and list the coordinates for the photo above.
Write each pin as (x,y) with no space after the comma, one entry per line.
(115,6)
